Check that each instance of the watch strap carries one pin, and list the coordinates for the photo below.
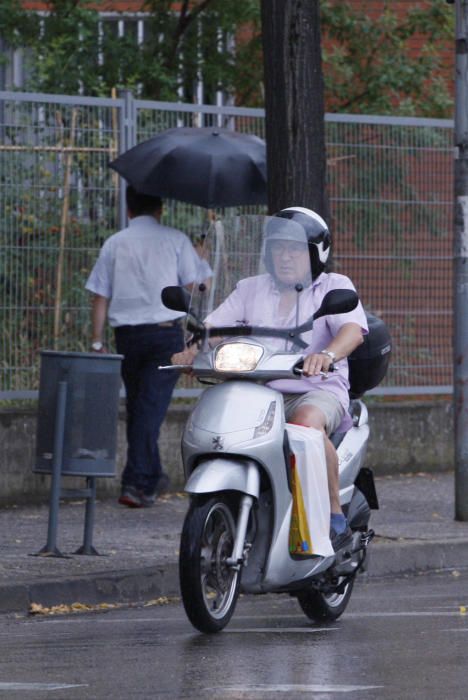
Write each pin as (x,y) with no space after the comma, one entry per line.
(330,354)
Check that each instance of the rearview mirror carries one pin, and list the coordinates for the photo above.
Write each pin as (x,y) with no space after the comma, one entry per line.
(176,298)
(337,301)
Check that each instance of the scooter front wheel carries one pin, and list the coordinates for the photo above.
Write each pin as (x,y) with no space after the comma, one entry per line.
(209,586)
(325,607)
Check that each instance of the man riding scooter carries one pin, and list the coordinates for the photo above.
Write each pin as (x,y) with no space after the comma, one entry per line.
(297,248)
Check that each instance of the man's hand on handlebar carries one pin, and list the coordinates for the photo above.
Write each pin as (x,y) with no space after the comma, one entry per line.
(186,357)
(317,364)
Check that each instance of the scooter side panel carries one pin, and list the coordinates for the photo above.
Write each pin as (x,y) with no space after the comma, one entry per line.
(351,455)
(220,474)
(282,570)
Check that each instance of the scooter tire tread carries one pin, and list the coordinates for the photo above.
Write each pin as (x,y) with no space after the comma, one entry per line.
(190,563)
(315,605)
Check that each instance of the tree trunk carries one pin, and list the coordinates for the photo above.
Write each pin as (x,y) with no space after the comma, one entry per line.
(294,105)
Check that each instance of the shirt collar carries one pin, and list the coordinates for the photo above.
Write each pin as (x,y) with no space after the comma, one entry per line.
(318,280)
(143,219)
(276,289)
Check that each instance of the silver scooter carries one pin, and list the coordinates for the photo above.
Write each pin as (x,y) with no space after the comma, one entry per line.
(237,464)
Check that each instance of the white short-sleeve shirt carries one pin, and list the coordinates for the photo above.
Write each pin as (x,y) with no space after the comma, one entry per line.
(133,267)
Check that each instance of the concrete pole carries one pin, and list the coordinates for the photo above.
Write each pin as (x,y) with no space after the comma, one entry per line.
(460,256)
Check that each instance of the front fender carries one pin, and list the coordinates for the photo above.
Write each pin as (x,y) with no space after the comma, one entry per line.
(221,474)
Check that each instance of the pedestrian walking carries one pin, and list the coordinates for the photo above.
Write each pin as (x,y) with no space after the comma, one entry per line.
(133,266)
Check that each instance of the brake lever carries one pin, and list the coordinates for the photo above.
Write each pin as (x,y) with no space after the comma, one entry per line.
(175,366)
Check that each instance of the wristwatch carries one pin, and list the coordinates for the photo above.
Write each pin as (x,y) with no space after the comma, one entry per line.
(97,346)
(330,354)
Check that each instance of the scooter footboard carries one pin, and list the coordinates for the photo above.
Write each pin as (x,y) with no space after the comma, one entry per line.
(220,474)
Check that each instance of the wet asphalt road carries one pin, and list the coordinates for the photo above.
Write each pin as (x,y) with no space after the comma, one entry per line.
(400,638)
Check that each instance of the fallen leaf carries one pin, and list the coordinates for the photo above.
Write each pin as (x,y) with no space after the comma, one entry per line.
(162,600)
(37,609)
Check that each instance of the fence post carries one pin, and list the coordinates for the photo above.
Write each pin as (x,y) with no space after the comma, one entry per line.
(128,139)
(2,87)
(460,266)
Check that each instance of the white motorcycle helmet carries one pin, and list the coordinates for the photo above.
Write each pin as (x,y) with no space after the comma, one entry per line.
(303,225)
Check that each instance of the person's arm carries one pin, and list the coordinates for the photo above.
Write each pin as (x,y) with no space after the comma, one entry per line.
(348,338)
(98,319)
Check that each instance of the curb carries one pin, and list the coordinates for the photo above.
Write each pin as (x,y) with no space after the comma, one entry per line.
(389,558)
(130,586)
(386,558)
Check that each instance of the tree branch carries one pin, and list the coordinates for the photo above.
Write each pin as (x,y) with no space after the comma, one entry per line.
(185,20)
(355,98)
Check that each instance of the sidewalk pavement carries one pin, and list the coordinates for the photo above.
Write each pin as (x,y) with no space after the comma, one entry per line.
(415,531)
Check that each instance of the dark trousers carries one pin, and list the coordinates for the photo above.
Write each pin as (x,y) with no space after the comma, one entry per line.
(149,392)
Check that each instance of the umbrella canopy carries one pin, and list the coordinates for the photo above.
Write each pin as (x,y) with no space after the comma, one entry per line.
(209,167)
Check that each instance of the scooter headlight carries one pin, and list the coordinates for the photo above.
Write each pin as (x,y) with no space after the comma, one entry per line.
(237,357)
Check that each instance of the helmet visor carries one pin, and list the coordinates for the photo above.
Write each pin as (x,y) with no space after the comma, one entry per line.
(251,262)
(286,253)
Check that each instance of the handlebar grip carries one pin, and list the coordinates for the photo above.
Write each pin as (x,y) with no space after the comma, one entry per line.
(298,369)
(174,367)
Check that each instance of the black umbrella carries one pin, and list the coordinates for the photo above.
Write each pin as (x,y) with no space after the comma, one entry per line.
(209,167)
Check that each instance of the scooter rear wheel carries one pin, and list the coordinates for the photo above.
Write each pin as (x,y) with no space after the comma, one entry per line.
(325,607)
(209,587)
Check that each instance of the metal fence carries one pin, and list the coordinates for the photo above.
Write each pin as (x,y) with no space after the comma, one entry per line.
(390,186)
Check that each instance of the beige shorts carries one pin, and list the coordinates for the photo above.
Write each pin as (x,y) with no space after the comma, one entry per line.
(326,401)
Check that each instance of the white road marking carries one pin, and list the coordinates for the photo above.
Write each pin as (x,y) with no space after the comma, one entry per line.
(404,613)
(97,620)
(294,630)
(299,688)
(277,616)
(465,629)
(40,686)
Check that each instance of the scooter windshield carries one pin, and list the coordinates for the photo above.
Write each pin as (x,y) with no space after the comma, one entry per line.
(254,277)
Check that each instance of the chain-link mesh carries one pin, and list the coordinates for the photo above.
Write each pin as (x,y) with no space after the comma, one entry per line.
(58,204)
(391,198)
(390,187)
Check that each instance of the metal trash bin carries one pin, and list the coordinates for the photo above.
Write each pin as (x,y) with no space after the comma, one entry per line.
(91,413)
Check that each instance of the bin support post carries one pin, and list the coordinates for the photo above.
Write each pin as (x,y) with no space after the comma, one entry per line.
(51,549)
(87,546)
